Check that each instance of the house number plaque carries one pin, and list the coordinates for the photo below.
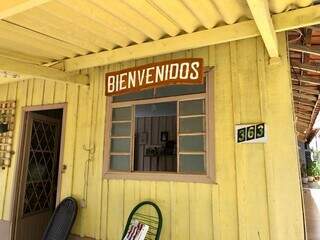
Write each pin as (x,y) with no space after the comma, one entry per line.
(251,133)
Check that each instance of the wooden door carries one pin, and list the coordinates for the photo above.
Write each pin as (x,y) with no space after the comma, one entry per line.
(39,172)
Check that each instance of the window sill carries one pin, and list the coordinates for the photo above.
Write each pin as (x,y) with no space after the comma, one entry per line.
(159,176)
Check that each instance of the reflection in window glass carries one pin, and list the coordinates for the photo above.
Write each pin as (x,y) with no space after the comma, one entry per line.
(121,129)
(192,124)
(193,107)
(191,143)
(156,137)
(191,163)
(179,90)
(121,145)
(121,114)
(134,96)
(120,162)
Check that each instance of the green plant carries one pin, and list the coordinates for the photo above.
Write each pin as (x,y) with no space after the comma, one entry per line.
(316,155)
(313,168)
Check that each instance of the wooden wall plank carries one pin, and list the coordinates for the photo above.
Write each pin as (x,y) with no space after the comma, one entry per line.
(216,212)
(164,202)
(115,209)
(181,54)
(60,90)
(21,97)
(49,92)
(30,92)
(70,135)
(131,198)
(38,91)
(6,93)
(282,184)
(224,139)
(81,157)
(95,173)
(200,211)
(104,210)
(181,205)
(203,53)
(250,158)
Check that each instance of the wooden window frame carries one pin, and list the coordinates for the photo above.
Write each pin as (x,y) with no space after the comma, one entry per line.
(207,177)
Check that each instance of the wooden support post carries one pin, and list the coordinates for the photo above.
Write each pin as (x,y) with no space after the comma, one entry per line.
(261,14)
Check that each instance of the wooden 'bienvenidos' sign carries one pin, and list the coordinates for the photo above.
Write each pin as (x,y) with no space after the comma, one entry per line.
(179,71)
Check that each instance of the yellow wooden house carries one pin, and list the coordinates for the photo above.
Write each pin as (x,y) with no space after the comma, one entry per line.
(67,137)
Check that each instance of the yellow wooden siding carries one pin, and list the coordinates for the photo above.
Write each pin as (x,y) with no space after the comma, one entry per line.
(256,195)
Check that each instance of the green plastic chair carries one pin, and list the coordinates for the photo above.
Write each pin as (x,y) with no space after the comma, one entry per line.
(142,213)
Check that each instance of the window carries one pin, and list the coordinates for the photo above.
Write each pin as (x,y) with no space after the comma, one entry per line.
(161,133)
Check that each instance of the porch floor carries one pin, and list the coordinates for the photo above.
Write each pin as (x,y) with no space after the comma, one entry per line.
(312,211)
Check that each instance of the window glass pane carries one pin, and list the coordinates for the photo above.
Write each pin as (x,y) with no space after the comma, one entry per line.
(191,163)
(191,125)
(121,129)
(180,90)
(156,109)
(167,91)
(118,162)
(193,107)
(134,96)
(156,137)
(191,143)
(120,145)
(121,114)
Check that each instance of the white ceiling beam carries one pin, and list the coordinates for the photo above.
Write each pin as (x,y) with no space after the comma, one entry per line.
(306,89)
(304,49)
(305,96)
(12,7)
(179,43)
(306,67)
(261,14)
(37,71)
(283,21)
(307,108)
(305,79)
(303,101)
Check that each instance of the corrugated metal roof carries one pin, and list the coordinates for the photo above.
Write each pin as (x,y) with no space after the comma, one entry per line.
(62,29)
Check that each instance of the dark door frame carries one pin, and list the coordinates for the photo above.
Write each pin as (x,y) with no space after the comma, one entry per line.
(20,148)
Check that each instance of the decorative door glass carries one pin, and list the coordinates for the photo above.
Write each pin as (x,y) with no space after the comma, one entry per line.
(41,172)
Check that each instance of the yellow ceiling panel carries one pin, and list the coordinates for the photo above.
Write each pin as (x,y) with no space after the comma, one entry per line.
(13,54)
(277,6)
(131,17)
(155,15)
(17,46)
(36,24)
(205,11)
(79,20)
(177,11)
(79,32)
(59,28)
(47,48)
(232,10)
(30,35)
(105,18)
